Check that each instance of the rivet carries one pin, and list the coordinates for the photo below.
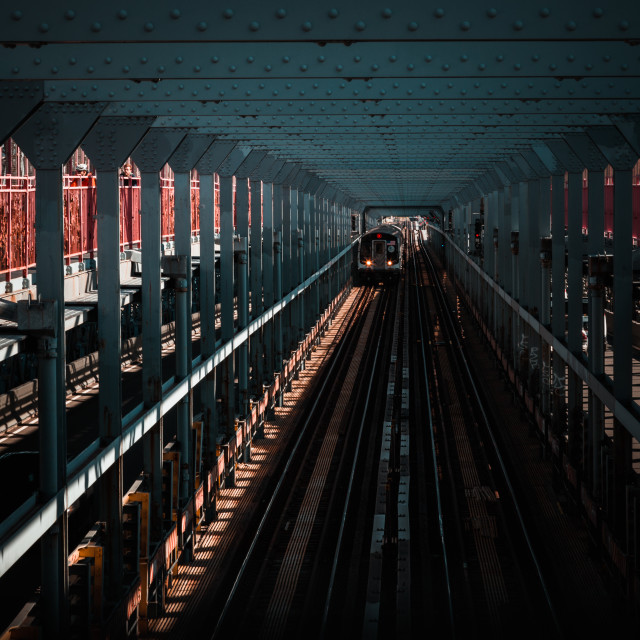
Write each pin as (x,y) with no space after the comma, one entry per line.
(624,67)
(254,26)
(517,66)
(251,59)
(553,66)
(387,13)
(624,25)
(232,68)
(357,58)
(179,60)
(464,57)
(598,12)
(465,25)
(286,59)
(375,67)
(72,61)
(148,27)
(174,13)
(161,69)
(201,26)
(606,58)
(499,58)
(303,67)
(43,27)
(492,13)
(281,13)
(413,26)
(70,14)
(228,14)
(518,25)
(571,26)
(267,68)
(321,59)
(535,57)
(333,13)
(445,67)
(90,69)
(545,12)
(439,13)
(215,59)
(15,70)
(16,15)
(96,26)
(410,67)
(428,58)
(360,25)
(393,58)
(306,26)
(37,61)
(126,68)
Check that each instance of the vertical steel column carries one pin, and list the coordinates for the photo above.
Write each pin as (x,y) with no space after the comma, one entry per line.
(289,206)
(301,327)
(558,302)
(208,325)
(574,312)
(533,247)
(545,319)
(51,393)
(329,252)
(109,362)
(315,253)
(227,282)
(622,284)
(596,337)
(182,213)
(515,277)
(300,222)
(267,278)
(277,251)
(322,252)
(243,317)
(255,276)
(241,263)
(308,257)
(622,342)
(599,268)
(524,231)
(151,337)
(277,273)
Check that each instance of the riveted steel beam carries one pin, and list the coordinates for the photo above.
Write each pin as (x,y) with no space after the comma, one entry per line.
(350,21)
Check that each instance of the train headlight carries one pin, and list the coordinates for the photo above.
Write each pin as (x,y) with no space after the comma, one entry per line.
(368,263)
(389,262)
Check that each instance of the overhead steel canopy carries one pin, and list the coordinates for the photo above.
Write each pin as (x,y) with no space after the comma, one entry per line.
(405,104)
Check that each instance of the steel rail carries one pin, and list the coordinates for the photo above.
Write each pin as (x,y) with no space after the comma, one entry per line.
(334,566)
(434,456)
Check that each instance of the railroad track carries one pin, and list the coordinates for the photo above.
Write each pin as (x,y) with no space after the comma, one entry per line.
(292,578)
(484,573)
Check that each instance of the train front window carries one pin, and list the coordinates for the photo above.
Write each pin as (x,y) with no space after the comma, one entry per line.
(379,248)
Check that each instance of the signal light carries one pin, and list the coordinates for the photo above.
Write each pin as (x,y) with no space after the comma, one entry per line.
(378,235)
(389,262)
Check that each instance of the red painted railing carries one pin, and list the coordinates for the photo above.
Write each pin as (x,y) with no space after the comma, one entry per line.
(17,219)
(17,224)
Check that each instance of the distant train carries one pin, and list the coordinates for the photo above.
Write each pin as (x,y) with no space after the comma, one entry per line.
(378,255)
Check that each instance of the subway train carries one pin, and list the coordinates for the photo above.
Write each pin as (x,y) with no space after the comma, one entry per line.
(378,255)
